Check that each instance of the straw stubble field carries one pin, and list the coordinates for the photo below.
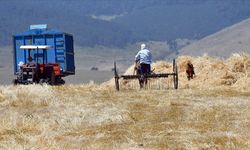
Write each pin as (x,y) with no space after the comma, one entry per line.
(208,112)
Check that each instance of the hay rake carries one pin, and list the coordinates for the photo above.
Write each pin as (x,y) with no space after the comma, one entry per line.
(147,76)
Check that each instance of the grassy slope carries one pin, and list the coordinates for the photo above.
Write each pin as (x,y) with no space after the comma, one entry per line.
(229,40)
(209,112)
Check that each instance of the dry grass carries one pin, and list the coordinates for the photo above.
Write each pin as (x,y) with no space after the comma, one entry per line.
(205,113)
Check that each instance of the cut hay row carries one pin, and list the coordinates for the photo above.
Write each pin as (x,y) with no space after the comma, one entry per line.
(94,117)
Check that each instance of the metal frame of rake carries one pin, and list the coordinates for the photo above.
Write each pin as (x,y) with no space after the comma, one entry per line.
(160,75)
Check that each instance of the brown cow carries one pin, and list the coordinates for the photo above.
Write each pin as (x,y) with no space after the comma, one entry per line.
(190,70)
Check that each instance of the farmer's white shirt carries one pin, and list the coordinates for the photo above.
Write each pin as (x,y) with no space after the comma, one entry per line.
(144,56)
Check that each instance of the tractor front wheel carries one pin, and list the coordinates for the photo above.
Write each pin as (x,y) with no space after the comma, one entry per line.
(52,77)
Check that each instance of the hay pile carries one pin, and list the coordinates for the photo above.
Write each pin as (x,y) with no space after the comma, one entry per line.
(214,72)
(211,72)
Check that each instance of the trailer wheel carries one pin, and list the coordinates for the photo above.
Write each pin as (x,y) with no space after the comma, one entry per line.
(175,69)
(116,77)
(117,84)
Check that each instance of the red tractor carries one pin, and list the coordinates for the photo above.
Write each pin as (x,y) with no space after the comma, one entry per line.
(34,72)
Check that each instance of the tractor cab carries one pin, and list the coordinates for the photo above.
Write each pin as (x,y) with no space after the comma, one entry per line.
(35,68)
(35,53)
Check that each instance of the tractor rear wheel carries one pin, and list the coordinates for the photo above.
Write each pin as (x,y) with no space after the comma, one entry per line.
(59,81)
(15,81)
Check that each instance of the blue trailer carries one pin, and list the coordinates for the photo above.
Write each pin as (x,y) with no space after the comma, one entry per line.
(43,55)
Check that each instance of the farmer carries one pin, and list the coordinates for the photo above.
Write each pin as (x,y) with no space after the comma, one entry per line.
(143,60)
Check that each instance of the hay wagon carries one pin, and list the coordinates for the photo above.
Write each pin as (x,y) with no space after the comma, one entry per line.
(174,74)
